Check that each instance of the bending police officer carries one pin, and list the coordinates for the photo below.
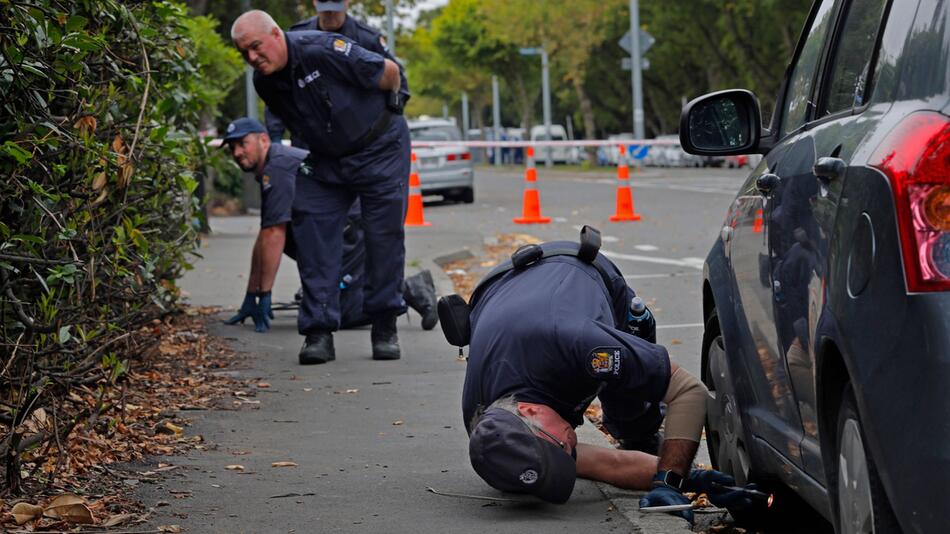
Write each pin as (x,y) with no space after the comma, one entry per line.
(276,168)
(550,331)
(343,100)
(333,17)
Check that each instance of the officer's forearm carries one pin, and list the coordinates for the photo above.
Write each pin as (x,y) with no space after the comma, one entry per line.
(271,243)
(677,455)
(254,280)
(632,470)
(389,81)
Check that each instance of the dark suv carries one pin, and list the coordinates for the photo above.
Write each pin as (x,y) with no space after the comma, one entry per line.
(827,293)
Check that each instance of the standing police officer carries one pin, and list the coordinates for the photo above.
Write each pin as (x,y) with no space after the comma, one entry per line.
(276,169)
(550,331)
(332,17)
(344,101)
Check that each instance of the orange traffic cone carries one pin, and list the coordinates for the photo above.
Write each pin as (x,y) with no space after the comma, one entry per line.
(414,215)
(624,194)
(758,223)
(531,205)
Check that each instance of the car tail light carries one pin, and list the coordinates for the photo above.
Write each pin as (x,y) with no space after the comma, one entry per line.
(451,157)
(916,159)
(467,156)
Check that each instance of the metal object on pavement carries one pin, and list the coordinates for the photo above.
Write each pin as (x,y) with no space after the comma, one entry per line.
(666,509)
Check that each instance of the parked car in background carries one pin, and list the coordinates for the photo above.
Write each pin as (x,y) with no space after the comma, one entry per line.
(608,154)
(559,154)
(826,295)
(446,171)
(671,154)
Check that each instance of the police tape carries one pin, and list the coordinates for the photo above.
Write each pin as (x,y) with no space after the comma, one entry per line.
(216,142)
(546,144)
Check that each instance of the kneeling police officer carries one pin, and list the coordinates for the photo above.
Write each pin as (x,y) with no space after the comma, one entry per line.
(549,331)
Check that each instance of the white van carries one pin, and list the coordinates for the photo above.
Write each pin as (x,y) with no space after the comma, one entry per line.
(558,154)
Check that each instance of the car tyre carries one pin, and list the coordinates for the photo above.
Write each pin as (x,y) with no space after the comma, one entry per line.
(467,195)
(860,502)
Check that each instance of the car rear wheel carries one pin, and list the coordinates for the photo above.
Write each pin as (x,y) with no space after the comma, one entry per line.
(862,503)
(467,195)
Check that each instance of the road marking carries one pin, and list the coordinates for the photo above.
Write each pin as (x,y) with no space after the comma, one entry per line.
(646,248)
(681,325)
(695,263)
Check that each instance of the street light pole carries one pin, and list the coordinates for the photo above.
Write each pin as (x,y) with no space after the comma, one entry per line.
(545,96)
(390,39)
(496,118)
(465,116)
(546,105)
(636,79)
(250,95)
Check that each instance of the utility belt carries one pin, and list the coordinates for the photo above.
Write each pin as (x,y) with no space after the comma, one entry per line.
(455,313)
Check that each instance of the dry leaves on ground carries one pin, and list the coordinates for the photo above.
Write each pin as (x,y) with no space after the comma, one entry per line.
(145,415)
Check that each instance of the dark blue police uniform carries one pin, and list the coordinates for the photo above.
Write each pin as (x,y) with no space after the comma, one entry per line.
(277,196)
(548,334)
(328,94)
(357,31)
(278,183)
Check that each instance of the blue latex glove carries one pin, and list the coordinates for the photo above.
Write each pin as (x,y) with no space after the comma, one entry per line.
(265,313)
(663,495)
(248,309)
(704,481)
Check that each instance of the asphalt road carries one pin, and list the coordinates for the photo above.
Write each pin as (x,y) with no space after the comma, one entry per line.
(369,437)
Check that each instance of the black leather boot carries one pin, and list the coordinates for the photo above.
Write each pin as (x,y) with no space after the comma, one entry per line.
(384,338)
(419,294)
(317,349)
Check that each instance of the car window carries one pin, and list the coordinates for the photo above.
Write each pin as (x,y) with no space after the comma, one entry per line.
(436,133)
(848,85)
(800,84)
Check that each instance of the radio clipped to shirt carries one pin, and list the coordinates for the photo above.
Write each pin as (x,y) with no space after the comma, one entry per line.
(395,103)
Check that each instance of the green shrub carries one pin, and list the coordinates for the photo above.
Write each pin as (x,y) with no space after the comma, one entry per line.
(101,102)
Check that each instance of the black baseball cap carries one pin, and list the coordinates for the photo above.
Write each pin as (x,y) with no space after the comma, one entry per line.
(241,127)
(329,6)
(508,455)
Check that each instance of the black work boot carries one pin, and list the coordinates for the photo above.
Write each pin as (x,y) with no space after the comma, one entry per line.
(384,338)
(317,348)
(419,294)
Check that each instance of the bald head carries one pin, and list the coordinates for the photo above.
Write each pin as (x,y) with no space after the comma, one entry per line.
(261,41)
(252,21)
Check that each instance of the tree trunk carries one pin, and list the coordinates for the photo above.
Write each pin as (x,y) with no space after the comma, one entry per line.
(587,114)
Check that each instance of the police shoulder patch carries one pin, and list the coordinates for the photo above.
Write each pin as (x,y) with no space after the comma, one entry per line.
(604,361)
(265,182)
(342,46)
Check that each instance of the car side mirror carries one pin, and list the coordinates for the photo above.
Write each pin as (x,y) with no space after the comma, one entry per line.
(724,123)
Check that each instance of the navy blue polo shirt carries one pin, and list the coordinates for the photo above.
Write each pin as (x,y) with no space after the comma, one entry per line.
(329,91)
(546,334)
(278,183)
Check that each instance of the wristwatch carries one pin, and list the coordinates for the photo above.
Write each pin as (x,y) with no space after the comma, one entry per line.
(669,478)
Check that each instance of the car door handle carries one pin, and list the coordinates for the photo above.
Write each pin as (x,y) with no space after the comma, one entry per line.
(829,168)
(766,183)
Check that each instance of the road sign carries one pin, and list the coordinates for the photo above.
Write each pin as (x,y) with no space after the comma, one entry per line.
(529,51)
(644,63)
(646,41)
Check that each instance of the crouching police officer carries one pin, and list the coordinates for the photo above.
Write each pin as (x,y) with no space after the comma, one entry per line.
(276,168)
(550,330)
(333,17)
(343,100)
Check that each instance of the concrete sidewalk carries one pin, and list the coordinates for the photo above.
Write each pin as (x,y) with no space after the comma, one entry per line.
(368,438)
